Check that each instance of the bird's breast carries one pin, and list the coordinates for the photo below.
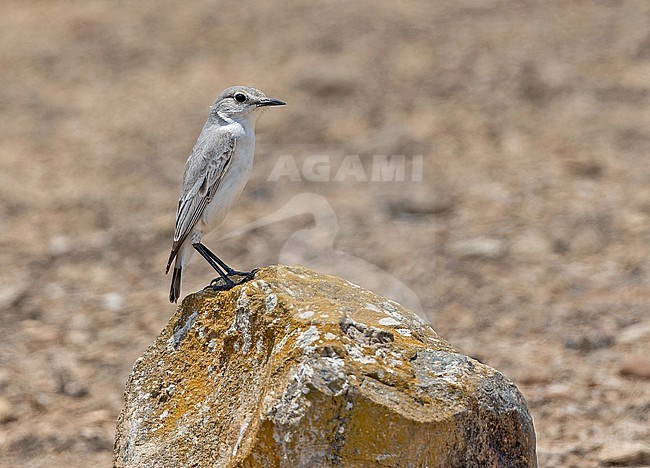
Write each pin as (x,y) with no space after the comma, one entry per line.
(232,184)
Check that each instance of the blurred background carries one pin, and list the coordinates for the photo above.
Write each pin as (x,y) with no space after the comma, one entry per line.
(526,242)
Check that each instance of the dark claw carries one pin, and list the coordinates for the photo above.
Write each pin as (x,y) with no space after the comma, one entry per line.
(226,282)
(218,287)
(248,276)
(238,273)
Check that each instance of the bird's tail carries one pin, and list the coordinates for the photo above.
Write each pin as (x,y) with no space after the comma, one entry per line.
(175,290)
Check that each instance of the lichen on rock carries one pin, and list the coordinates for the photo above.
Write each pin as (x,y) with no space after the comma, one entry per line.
(296,368)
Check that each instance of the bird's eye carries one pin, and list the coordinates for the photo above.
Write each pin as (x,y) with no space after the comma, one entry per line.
(240,97)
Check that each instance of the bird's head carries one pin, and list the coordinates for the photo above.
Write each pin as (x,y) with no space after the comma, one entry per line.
(239,102)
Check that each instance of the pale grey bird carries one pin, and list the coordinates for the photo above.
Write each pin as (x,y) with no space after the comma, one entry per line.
(215,174)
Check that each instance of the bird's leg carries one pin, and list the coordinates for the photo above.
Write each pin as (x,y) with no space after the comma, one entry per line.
(229,271)
(205,253)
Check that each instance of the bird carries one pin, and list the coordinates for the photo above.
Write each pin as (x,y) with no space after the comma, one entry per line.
(215,174)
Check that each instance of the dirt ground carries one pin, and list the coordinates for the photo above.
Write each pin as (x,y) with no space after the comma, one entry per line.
(526,241)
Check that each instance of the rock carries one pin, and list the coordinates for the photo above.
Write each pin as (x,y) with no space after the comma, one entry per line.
(637,333)
(534,376)
(7,411)
(635,366)
(60,245)
(419,203)
(589,341)
(113,301)
(296,368)
(530,244)
(66,372)
(479,247)
(559,391)
(39,333)
(11,294)
(620,453)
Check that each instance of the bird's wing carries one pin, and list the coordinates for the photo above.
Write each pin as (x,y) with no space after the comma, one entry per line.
(204,171)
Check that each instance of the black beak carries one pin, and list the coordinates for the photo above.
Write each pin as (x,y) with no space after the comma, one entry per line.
(270,102)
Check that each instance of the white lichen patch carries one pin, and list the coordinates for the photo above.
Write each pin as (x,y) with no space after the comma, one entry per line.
(404,331)
(388,321)
(305,315)
(357,355)
(290,408)
(391,310)
(242,431)
(180,332)
(241,323)
(307,337)
(205,409)
(278,346)
(263,286)
(394,362)
(330,336)
(373,307)
(270,302)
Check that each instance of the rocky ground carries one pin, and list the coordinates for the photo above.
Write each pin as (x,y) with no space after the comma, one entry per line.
(526,242)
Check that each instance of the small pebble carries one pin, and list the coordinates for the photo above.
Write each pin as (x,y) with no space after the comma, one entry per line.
(634,333)
(7,411)
(113,301)
(534,377)
(589,342)
(60,245)
(479,247)
(622,453)
(559,391)
(635,366)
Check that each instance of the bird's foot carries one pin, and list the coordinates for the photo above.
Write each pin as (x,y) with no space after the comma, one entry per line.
(237,273)
(250,275)
(218,284)
(225,284)
(221,283)
(243,276)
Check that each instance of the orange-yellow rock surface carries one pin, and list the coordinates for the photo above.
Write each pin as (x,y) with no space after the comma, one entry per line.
(296,368)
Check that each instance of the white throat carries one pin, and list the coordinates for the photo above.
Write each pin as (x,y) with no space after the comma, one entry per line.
(248,121)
